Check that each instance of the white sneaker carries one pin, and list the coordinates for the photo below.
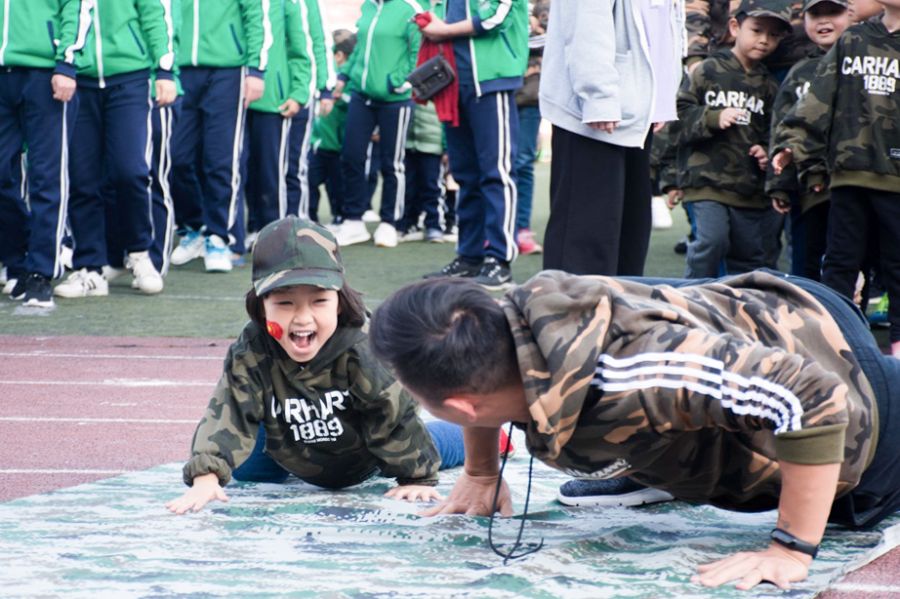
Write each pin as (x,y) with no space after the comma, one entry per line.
(351,232)
(190,247)
(9,286)
(413,234)
(661,215)
(386,236)
(370,216)
(216,255)
(111,273)
(146,278)
(82,283)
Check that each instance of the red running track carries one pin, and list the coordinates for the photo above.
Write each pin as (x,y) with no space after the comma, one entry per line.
(78,409)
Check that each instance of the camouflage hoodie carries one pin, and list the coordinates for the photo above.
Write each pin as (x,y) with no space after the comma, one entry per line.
(697,390)
(794,87)
(851,115)
(340,416)
(715,164)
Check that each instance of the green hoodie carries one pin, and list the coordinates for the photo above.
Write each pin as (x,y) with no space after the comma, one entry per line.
(44,34)
(226,33)
(387,46)
(289,71)
(501,29)
(323,75)
(129,36)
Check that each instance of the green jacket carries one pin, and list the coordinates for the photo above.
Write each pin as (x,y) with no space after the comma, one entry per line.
(130,36)
(323,75)
(715,164)
(328,131)
(849,117)
(426,134)
(700,391)
(225,33)
(44,34)
(500,45)
(290,65)
(386,49)
(341,415)
(794,87)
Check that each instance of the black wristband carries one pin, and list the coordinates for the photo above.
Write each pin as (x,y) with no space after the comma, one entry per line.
(786,539)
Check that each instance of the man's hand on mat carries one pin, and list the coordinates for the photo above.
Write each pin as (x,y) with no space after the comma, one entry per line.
(206,488)
(473,495)
(777,565)
(414,493)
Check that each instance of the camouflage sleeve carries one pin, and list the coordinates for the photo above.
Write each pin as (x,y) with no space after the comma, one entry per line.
(227,432)
(393,432)
(696,120)
(699,28)
(806,128)
(720,381)
(667,168)
(785,183)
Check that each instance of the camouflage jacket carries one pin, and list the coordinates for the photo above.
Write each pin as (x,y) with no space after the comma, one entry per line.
(851,115)
(706,22)
(795,85)
(699,390)
(340,413)
(715,164)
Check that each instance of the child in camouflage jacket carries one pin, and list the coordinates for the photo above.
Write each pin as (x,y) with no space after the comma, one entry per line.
(849,118)
(301,392)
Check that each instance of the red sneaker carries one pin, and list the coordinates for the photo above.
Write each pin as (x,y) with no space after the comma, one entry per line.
(526,242)
(506,445)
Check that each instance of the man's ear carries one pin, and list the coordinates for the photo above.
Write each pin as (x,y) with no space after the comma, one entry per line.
(463,405)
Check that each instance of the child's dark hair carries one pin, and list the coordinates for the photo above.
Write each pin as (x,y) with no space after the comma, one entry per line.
(445,336)
(350,303)
(344,41)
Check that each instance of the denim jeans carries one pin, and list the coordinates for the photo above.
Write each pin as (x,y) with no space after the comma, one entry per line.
(529,124)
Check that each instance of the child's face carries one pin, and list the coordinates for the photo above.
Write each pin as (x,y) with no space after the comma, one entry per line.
(825,22)
(339,57)
(307,316)
(756,37)
(863,10)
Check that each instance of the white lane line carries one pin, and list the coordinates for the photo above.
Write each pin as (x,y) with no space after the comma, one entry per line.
(59,471)
(855,587)
(43,354)
(116,383)
(82,420)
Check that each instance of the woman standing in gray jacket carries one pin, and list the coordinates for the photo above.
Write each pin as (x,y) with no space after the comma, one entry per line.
(611,71)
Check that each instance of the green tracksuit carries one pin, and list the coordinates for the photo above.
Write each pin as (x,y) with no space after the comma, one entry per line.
(225,33)
(44,34)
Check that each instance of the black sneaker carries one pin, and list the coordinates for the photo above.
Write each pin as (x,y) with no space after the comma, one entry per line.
(459,267)
(38,292)
(494,275)
(681,247)
(18,291)
(609,492)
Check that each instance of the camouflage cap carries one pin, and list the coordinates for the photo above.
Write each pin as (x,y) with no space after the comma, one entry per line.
(807,4)
(776,9)
(296,251)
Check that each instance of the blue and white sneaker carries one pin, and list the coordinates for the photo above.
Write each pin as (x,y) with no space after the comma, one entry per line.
(217,255)
(191,247)
(609,492)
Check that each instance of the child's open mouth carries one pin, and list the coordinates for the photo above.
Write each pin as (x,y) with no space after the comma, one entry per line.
(824,30)
(302,339)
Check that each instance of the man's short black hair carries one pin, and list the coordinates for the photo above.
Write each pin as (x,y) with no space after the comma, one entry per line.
(445,336)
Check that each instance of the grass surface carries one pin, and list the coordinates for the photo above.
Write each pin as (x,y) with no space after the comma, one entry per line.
(197,304)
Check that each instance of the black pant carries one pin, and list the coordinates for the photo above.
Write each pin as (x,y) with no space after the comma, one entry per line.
(599,206)
(856,215)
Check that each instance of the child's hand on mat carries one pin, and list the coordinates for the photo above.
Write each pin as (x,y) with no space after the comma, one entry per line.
(206,488)
(414,493)
(474,495)
(777,565)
